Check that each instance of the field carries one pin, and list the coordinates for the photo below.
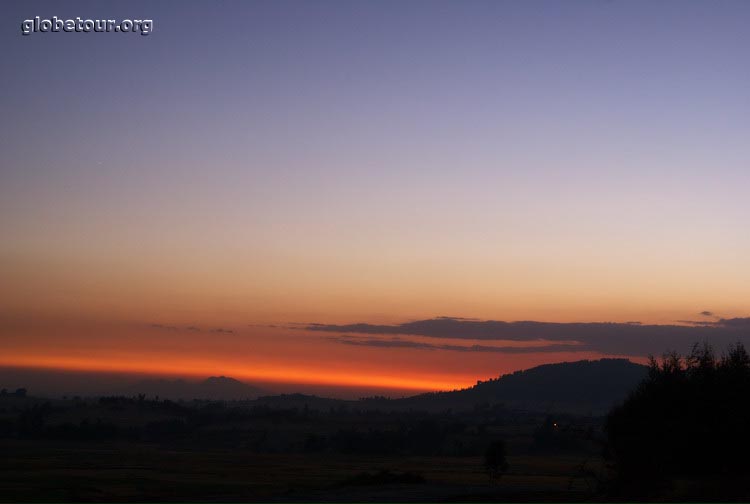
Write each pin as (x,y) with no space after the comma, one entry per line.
(121,451)
(44,472)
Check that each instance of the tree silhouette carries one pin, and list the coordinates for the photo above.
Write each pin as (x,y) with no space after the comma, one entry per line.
(688,419)
(495,462)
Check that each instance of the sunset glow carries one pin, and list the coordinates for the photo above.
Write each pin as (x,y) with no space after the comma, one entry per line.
(197,202)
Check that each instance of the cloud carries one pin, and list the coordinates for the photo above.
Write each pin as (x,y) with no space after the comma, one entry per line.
(707,313)
(703,323)
(164,327)
(192,328)
(390,343)
(739,323)
(401,343)
(604,337)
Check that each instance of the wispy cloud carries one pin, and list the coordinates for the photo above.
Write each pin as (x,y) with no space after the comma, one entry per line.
(605,337)
(164,327)
(192,328)
(403,343)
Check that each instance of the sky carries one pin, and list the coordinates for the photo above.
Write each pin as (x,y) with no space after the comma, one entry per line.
(194,201)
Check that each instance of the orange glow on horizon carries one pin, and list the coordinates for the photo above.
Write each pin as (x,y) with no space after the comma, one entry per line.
(202,369)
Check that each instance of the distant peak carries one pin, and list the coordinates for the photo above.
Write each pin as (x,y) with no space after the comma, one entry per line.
(221,379)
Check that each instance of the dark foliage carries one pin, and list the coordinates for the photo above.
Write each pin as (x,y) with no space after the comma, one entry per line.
(690,418)
(494,460)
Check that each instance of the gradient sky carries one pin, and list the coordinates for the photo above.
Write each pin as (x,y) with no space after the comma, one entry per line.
(267,163)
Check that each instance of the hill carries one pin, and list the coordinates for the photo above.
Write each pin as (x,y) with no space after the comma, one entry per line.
(575,387)
(213,388)
(581,387)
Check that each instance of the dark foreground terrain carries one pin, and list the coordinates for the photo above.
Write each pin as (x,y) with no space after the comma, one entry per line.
(124,449)
(433,447)
(680,434)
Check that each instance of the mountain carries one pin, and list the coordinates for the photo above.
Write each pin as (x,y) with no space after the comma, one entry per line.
(599,381)
(213,388)
(581,387)
(575,387)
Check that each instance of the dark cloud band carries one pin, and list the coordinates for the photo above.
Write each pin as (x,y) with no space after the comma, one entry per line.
(606,337)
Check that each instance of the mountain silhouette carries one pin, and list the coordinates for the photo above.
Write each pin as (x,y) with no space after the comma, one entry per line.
(587,386)
(581,387)
(212,388)
(601,382)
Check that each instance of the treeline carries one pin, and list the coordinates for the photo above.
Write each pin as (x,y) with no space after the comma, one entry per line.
(688,421)
(150,420)
(262,428)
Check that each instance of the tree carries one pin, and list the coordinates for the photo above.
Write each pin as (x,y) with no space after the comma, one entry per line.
(688,419)
(495,462)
